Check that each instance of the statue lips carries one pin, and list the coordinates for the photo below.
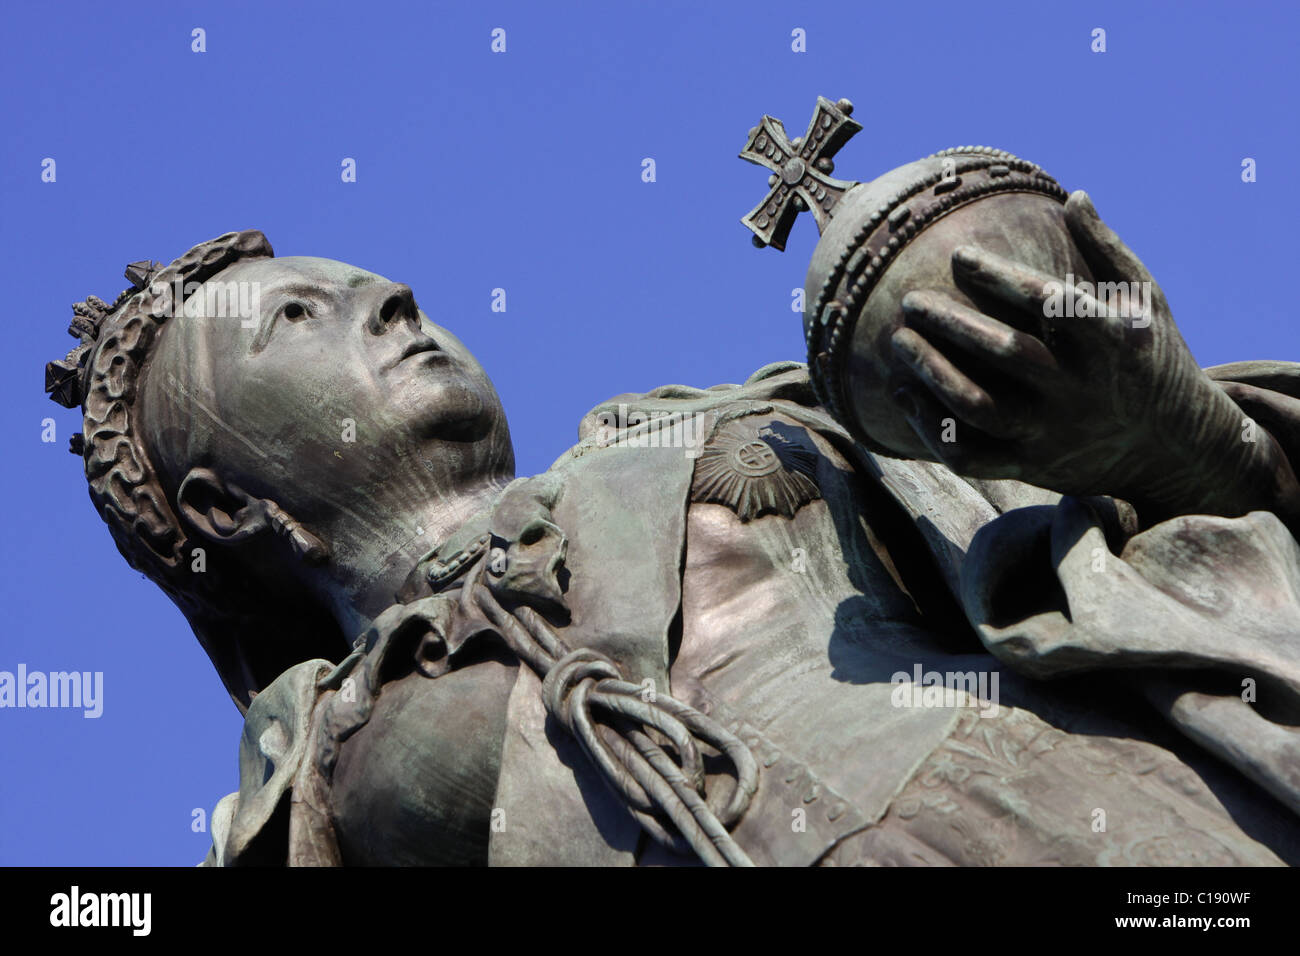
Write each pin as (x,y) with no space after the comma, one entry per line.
(462,415)
(421,346)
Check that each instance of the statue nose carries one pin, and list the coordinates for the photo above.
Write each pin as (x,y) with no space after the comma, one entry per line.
(396,304)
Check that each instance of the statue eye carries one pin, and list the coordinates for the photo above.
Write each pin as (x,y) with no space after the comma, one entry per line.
(294,311)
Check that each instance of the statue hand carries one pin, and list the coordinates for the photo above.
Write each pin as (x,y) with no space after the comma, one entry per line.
(1097,395)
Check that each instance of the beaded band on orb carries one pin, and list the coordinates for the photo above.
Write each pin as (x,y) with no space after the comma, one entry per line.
(977,172)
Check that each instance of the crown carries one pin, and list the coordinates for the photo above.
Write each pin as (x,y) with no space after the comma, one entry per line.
(65,378)
(101,375)
(68,380)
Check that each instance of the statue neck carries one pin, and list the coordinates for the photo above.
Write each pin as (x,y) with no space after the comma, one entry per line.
(374,547)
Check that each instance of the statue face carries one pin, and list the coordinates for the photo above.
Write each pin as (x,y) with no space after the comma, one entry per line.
(340,388)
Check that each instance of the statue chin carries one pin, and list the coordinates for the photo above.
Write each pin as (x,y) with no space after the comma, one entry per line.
(450,412)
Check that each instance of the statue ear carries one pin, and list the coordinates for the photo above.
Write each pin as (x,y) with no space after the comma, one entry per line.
(225,513)
(220,510)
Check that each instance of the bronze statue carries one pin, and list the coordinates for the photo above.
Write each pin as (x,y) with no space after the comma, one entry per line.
(1000,577)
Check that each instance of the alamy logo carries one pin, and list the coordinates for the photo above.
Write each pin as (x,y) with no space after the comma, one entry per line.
(71,689)
(220,300)
(942,689)
(103,909)
(630,428)
(1086,300)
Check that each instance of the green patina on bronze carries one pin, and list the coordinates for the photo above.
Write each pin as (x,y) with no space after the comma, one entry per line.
(980,569)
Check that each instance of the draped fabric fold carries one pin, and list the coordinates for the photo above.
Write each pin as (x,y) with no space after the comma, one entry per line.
(1202,610)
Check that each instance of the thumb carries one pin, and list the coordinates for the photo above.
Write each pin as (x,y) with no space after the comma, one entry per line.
(1108,258)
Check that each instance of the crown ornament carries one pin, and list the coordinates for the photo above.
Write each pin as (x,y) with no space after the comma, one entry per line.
(65,378)
(801,171)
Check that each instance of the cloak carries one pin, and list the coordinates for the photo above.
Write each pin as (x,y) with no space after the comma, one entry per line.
(1202,613)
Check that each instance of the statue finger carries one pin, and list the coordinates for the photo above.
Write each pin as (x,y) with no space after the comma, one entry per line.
(1063,311)
(963,397)
(1024,290)
(1014,353)
(1107,256)
(960,446)
(1114,315)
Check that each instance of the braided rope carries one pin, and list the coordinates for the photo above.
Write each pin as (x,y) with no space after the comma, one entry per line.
(585,691)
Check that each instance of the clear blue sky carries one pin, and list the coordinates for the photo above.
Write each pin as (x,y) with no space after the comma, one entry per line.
(522,171)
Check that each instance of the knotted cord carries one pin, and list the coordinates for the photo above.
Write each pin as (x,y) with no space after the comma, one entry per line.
(612,720)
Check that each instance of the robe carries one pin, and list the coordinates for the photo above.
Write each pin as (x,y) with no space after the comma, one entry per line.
(1147,679)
